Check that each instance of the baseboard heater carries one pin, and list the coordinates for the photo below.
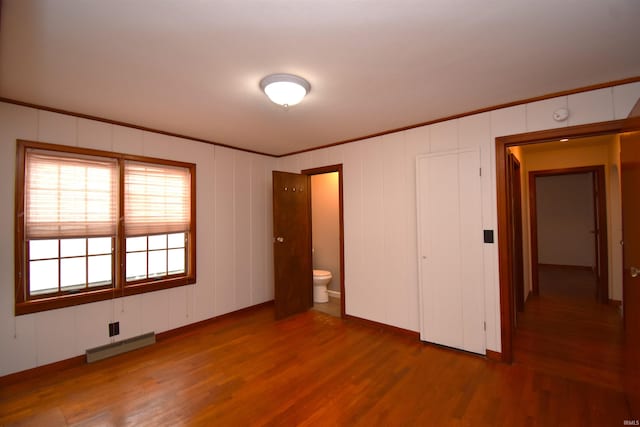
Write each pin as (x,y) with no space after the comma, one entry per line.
(116,348)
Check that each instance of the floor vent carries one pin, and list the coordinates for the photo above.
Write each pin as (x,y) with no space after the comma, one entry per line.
(109,350)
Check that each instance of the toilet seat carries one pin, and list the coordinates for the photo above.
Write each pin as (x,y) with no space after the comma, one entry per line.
(321,273)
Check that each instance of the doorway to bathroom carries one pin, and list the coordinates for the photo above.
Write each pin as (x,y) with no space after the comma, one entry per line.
(327,235)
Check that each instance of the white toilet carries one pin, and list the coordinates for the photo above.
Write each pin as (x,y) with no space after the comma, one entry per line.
(321,279)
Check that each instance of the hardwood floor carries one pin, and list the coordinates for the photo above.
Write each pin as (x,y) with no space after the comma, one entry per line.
(310,369)
(566,332)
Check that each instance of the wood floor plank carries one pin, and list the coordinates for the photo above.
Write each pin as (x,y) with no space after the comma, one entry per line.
(312,370)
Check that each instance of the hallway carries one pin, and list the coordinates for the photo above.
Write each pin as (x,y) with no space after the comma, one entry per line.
(565,332)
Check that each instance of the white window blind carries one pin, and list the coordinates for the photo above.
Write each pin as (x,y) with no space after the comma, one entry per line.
(157,199)
(68,195)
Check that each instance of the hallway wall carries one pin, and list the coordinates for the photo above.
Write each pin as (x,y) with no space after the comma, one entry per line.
(565,220)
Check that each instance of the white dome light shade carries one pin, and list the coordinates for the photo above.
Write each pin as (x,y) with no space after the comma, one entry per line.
(285,89)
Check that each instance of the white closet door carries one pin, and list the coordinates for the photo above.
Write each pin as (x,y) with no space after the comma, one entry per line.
(450,250)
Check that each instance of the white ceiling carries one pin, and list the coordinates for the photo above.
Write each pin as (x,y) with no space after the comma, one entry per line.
(192,67)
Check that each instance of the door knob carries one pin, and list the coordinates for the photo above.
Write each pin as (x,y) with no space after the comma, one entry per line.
(279,239)
(635,271)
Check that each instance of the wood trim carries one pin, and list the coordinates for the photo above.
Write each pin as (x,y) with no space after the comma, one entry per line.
(329,169)
(473,112)
(41,371)
(504,253)
(384,327)
(496,356)
(567,267)
(19,247)
(346,141)
(514,185)
(504,258)
(533,234)
(120,288)
(101,153)
(72,362)
(128,125)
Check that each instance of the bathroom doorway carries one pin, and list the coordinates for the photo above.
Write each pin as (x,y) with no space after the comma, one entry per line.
(327,235)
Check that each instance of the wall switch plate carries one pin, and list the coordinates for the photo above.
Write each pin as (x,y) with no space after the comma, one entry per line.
(114,329)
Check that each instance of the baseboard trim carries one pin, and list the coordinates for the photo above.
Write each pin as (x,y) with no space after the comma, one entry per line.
(393,329)
(496,356)
(567,267)
(334,294)
(43,370)
(81,360)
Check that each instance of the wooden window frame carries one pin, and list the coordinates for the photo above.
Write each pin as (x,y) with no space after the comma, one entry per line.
(120,287)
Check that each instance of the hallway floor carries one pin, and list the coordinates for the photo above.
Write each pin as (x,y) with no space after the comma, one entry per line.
(565,332)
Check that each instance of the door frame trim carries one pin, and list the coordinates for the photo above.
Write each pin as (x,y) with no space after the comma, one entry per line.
(514,188)
(600,203)
(320,171)
(502,143)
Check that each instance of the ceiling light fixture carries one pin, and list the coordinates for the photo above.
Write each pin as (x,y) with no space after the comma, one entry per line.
(285,89)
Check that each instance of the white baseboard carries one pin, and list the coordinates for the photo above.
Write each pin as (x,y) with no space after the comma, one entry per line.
(334,294)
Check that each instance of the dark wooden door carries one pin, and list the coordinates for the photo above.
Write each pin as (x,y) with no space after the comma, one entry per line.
(630,183)
(515,229)
(292,244)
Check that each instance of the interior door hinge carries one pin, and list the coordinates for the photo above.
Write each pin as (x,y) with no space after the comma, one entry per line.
(480,171)
(484,324)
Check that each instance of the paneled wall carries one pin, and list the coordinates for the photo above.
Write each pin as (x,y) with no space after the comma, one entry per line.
(381,282)
(234,257)
(234,222)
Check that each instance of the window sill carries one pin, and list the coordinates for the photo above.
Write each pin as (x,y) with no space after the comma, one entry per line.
(62,301)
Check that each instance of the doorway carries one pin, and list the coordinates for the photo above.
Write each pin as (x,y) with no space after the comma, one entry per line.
(327,224)
(506,261)
(568,212)
(567,326)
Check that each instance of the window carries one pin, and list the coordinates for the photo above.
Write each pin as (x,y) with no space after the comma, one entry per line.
(93,225)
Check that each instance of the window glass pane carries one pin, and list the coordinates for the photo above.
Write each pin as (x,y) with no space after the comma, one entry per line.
(176,240)
(100,270)
(136,265)
(176,261)
(157,263)
(41,249)
(136,244)
(73,247)
(99,245)
(158,242)
(43,276)
(73,273)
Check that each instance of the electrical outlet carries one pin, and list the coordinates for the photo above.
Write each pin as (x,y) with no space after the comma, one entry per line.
(114,329)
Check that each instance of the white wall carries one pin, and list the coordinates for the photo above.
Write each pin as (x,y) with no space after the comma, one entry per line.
(381,281)
(234,222)
(234,257)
